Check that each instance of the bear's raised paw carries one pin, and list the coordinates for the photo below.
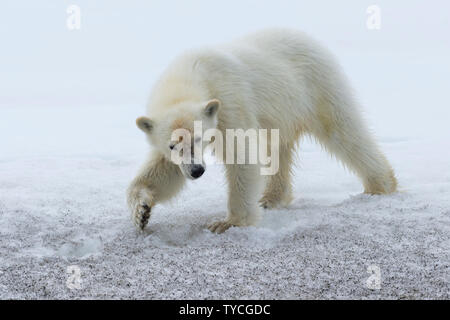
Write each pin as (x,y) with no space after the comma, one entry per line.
(141,215)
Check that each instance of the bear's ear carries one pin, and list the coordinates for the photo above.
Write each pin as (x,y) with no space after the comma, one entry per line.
(212,107)
(145,124)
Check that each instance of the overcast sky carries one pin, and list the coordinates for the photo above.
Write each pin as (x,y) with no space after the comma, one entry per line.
(400,72)
(123,45)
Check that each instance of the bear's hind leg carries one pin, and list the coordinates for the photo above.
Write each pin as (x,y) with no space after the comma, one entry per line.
(342,131)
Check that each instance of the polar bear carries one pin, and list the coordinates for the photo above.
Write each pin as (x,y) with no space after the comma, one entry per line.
(272,79)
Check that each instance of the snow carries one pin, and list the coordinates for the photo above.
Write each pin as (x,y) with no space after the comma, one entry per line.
(69,148)
(67,207)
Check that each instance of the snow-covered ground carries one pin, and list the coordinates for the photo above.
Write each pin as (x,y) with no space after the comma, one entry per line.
(69,147)
(65,208)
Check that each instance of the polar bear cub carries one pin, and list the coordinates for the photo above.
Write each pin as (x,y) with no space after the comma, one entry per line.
(274,79)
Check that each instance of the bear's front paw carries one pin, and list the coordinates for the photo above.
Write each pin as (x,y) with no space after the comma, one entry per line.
(220,226)
(140,202)
(141,215)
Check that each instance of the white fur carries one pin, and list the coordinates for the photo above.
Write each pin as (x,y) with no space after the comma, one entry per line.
(274,79)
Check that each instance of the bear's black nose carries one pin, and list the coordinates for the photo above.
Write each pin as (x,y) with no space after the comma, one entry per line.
(197,171)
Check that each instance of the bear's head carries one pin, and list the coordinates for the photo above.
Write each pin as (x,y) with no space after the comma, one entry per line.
(177,132)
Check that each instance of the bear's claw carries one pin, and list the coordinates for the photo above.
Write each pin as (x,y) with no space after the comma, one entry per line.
(141,216)
(220,226)
(267,204)
(140,202)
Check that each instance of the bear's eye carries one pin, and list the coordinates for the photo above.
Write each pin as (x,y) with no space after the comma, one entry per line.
(172,146)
